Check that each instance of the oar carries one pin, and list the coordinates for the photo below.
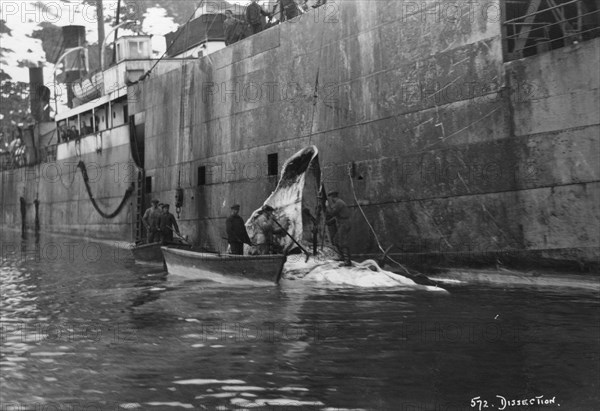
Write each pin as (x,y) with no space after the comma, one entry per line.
(182,238)
(385,253)
(280,272)
(179,236)
(293,239)
(322,201)
(315,231)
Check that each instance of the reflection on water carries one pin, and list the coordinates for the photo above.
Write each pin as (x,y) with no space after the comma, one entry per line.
(83,326)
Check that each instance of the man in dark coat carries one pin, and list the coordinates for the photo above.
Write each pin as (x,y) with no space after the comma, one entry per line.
(236,231)
(255,16)
(288,9)
(234,28)
(150,219)
(339,212)
(167,224)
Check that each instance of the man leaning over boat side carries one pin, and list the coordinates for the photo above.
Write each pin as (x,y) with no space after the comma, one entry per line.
(166,225)
(267,229)
(339,212)
(150,220)
(237,235)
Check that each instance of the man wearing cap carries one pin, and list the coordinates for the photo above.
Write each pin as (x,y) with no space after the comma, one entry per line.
(167,224)
(234,28)
(150,220)
(267,228)
(339,213)
(236,231)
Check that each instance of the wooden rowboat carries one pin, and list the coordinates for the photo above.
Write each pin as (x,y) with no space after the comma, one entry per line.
(223,267)
(151,253)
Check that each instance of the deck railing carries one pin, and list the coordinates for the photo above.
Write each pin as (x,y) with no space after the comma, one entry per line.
(534,26)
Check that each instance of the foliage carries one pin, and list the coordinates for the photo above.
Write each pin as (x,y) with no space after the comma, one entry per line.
(52,41)
(14,96)
(4,28)
(14,106)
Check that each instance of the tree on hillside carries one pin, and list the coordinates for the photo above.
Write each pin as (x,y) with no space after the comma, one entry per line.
(52,40)
(14,106)
(14,96)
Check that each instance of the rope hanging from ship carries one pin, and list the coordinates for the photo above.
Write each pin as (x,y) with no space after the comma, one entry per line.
(320,194)
(81,166)
(182,107)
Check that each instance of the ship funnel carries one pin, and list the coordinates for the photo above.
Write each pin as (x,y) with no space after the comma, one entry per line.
(39,95)
(75,64)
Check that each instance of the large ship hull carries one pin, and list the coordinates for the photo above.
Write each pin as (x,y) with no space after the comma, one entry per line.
(66,202)
(448,149)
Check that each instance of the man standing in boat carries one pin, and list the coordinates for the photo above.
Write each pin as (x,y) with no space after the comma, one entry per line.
(167,224)
(150,219)
(236,231)
(267,229)
(338,212)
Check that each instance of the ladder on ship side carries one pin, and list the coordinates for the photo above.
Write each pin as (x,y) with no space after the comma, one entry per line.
(139,206)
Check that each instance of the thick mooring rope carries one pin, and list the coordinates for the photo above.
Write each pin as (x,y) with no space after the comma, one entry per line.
(86,179)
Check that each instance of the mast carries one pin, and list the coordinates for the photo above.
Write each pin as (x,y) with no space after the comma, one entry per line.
(114,54)
(100,16)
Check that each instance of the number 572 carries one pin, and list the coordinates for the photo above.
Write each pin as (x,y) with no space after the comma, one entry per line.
(478,403)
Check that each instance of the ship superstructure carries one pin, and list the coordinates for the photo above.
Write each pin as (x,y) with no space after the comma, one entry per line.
(82,172)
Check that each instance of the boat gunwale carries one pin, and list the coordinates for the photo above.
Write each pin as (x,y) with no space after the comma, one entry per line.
(228,257)
(145,245)
(158,244)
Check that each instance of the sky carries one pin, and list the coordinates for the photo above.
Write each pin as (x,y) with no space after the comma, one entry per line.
(23,18)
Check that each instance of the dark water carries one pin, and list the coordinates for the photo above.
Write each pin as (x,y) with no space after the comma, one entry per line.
(83,327)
